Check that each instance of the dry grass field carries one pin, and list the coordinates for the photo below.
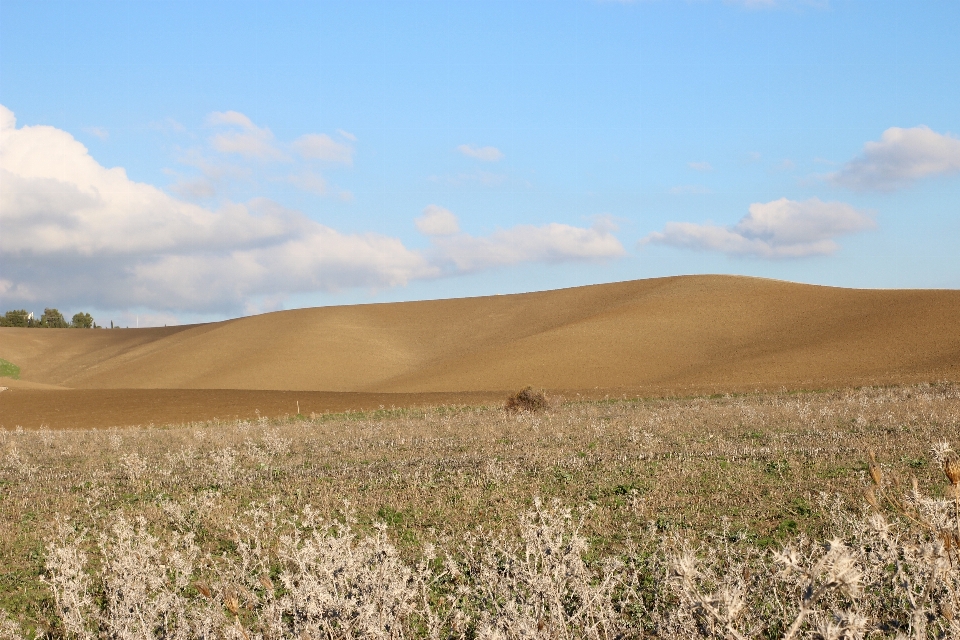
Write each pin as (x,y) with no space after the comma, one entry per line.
(730,516)
(719,457)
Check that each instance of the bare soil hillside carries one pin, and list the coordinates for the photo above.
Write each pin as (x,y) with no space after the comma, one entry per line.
(666,335)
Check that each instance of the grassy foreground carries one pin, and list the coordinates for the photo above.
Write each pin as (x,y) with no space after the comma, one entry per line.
(724,517)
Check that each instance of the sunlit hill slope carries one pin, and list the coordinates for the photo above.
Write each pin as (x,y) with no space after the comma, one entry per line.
(667,333)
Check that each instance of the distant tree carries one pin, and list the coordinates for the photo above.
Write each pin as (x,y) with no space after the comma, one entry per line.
(53,319)
(17,318)
(82,321)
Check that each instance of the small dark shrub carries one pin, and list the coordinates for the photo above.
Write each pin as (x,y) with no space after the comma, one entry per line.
(527,399)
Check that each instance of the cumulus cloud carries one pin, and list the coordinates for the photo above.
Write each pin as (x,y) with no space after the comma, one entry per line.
(194,188)
(246,139)
(437,221)
(78,233)
(778,229)
(242,137)
(240,152)
(700,166)
(319,259)
(901,157)
(552,242)
(74,231)
(320,146)
(487,154)
(8,121)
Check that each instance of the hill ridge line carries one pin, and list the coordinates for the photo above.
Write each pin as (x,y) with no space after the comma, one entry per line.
(679,330)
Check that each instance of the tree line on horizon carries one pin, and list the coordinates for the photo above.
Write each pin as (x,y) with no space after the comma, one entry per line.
(51,319)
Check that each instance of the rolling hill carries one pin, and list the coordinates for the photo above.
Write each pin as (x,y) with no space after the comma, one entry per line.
(666,335)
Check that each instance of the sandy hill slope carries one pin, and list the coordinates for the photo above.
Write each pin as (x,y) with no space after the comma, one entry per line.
(677,333)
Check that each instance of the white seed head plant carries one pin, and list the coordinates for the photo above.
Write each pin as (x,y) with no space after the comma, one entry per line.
(241,529)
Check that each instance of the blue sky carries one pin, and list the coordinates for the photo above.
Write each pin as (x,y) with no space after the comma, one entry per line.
(183,161)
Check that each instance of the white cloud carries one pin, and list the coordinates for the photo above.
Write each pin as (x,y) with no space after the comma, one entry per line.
(310,181)
(320,146)
(194,188)
(74,231)
(552,242)
(15,290)
(215,168)
(168,125)
(346,134)
(778,229)
(251,141)
(437,221)
(901,157)
(487,154)
(77,233)
(700,166)
(7,119)
(216,176)
(98,132)
(318,259)
(231,118)
(244,138)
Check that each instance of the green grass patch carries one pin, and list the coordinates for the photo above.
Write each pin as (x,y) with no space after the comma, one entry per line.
(9,370)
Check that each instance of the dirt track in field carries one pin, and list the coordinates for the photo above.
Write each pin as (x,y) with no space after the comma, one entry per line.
(670,336)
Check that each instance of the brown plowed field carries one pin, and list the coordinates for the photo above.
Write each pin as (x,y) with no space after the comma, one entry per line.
(674,335)
(100,408)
